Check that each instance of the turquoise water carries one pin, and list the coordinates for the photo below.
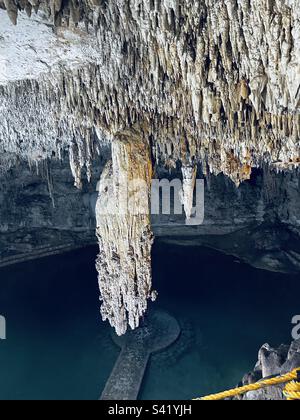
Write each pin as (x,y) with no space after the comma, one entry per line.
(56,345)
(233,309)
(58,348)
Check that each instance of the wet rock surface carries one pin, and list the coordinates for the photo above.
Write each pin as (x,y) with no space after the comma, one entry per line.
(157,332)
(272,362)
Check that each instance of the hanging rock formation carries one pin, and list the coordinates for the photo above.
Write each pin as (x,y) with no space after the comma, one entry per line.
(189,174)
(124,232)
(196,73)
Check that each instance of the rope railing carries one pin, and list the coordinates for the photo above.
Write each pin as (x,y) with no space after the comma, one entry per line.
(291,391)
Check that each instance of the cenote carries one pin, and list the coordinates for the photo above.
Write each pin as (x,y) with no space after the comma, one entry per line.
(58,348)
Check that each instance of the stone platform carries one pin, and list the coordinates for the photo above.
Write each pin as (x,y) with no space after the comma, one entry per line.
(158,331)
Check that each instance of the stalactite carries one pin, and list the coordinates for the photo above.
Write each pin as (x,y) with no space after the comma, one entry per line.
(189,173)
(12,10)
(193,70)
(124,232)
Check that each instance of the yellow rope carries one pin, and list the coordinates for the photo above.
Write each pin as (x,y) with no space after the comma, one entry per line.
(291,392)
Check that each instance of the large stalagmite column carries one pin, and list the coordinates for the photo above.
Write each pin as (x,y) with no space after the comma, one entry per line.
(124,232)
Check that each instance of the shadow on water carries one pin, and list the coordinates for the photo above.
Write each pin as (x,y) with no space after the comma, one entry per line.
(58,348)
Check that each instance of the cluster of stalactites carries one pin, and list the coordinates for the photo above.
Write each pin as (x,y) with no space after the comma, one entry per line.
(58,11)
(41,119)
(86,101)
(195,75)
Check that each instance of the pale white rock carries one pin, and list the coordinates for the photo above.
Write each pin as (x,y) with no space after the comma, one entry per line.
(32,49)
(219,76)
(189,173)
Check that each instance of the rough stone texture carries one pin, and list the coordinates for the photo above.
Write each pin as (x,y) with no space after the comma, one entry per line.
(258,222)
(272,362)
(41,211)
(124,233)
(264,210)
(37,122)
(194,74)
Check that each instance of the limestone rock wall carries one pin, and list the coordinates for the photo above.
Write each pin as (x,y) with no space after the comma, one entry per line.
(258,222)
(42,212)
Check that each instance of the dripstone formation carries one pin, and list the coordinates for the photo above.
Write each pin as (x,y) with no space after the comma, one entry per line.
(215,81)
(204,83)
(124,233)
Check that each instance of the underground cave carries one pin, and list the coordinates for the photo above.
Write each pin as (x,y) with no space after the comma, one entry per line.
(99,101)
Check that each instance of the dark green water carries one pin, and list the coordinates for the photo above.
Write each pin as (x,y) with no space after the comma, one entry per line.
(58,348)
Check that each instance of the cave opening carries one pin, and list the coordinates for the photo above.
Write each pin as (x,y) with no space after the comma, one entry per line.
(58,348)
